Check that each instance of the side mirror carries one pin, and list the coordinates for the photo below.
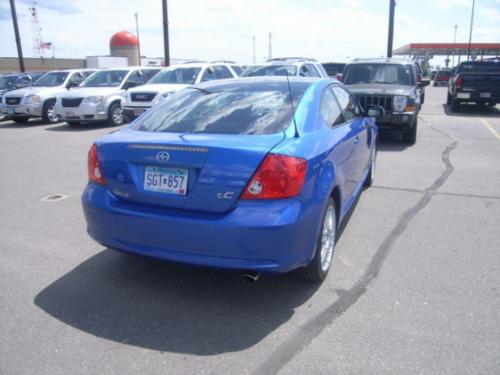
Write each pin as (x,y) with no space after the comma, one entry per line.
(339,77)
(374,111)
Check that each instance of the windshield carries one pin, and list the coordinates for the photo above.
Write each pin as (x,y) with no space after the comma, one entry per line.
(105,78)
(270,70)
(7,82)
(480,67)
(391,74)
(332,69)
(242,109)
(180,75)
(52,79)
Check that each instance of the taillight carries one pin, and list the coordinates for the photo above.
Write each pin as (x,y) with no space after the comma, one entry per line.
(279,176)
(459,82)
(94,167)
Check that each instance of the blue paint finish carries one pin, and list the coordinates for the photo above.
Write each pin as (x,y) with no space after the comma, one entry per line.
(200,227)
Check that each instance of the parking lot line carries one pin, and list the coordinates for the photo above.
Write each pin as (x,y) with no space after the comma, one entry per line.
(491,129)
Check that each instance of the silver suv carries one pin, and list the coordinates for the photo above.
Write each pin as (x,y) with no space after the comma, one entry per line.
(99,97)
(291,66)
(172,79)
(39,99)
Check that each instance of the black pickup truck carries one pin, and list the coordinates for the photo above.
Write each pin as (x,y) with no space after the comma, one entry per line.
(475,82)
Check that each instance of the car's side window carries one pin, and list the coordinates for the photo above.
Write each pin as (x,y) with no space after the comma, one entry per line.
(222,72)
(329,108)
(313,72)
(304,71)
(208,75)
(149,73)
(237,70)
(350,108)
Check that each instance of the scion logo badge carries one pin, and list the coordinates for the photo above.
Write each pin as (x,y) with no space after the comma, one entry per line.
(162,156)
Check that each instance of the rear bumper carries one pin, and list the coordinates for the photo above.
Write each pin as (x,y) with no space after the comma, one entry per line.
(477,96)
(276,237)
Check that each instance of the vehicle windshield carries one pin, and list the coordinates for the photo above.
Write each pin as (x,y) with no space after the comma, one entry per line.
(7,82)
(52,79)
(390,74)
(105,78)
(179,75)
(242,109)
(480,67)
(332,69)
(270,70)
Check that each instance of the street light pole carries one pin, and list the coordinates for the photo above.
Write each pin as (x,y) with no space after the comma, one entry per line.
(166,45)
(455,42)
(138,39)
(390,36)
(470,30)
(18,38)
(253,45)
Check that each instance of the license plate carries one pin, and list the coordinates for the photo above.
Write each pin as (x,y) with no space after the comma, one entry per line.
(166,180)
(138,112)
(463,95)
(10,110)
(70,114)
(485,95)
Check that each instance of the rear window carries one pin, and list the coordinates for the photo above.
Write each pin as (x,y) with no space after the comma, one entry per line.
(332,69)
(244,109)
(480,67)
(178,76)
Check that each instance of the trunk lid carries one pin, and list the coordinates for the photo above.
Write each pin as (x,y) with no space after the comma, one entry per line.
(217,166)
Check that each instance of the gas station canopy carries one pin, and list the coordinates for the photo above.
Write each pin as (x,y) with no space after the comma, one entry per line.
(445,49)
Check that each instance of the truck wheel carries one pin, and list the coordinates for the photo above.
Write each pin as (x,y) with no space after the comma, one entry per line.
(371,173)
(422,99)
(448,99)
(455,105)
(410,137)
(115,115)
(49,113)
(318,268)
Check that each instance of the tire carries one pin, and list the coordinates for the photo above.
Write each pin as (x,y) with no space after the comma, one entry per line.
(115,116)
(318,268)
(448,99)
(371,173)
(410,137)
(455,105)
(422,99)
(20,120)
(48,114)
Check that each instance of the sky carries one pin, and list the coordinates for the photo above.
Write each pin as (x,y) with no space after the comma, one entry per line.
(328,30)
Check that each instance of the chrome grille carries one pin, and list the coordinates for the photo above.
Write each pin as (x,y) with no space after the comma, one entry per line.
(142,96)
(71,102)
(385,101)
(12,100)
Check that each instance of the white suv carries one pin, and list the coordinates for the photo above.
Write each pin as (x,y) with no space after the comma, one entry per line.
(99,97)
(172,79)
(291,66)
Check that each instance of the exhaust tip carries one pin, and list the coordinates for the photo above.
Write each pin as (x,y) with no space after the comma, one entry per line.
(250,276)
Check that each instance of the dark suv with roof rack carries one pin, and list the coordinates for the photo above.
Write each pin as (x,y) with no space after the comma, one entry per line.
(392,84)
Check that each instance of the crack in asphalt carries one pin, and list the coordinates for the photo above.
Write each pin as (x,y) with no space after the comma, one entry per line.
(417,191)
(303,336)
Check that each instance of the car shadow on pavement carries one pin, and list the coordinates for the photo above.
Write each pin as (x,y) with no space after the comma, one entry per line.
(64,127)
(391,142)
(12,125)
(472,110)
(168,307)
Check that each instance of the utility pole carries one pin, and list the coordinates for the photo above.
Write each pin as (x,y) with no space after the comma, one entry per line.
(138,39)
(455,42)
(270,54)
(470,30)
(18,38)
(253,43)
(166,45)
(390,36)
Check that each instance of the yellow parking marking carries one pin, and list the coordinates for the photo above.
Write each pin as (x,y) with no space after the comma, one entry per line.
(491,129)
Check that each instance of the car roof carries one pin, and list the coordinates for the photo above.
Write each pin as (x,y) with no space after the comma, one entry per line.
(384,60)
(263,81)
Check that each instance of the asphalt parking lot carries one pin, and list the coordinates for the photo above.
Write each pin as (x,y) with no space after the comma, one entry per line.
(414,288)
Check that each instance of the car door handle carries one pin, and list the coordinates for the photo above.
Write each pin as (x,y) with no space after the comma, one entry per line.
(356,140)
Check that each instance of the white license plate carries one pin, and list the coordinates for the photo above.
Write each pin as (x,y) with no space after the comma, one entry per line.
(485,95)
(70,114)
(463,95)
(166,180)
(10,110)
(138,112)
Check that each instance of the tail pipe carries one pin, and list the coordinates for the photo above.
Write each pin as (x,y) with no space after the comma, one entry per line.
(250,276)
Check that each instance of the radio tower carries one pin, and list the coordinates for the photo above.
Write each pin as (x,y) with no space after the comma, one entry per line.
(38,49)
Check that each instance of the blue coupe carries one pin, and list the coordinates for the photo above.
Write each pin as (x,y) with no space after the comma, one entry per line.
(253,174)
